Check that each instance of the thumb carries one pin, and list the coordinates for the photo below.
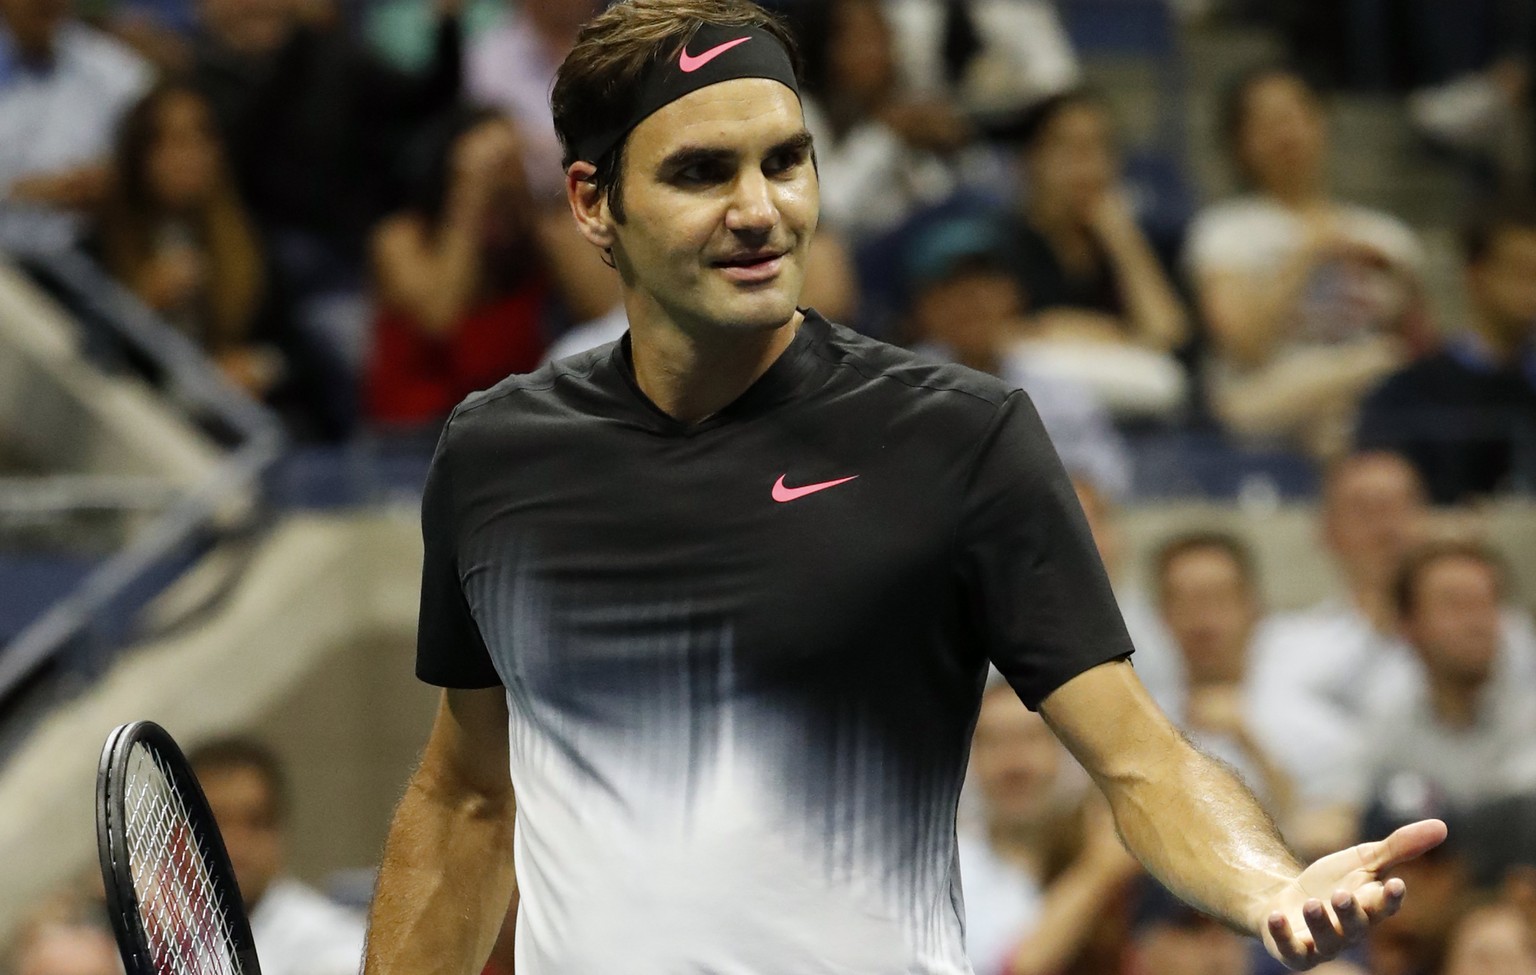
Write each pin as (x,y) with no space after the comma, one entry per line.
(1405,843)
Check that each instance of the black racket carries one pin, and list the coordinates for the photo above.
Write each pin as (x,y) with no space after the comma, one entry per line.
(171,893)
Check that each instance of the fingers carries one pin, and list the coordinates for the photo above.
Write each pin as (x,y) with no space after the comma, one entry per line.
(1413,840)
(1327,929)
(1295,952)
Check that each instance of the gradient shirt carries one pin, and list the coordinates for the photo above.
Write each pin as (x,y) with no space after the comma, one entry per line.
(743,657)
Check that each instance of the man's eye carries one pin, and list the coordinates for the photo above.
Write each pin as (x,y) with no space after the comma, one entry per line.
(782,162)
(700,173)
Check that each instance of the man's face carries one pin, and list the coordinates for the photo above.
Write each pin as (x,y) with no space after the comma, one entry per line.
(1373,512)
(1074,161)
(33,22)
(1211,612)
(69,950)
(1503,284)
(1015,759)
(971,311)
(721,200)
(1492,941)
(1454,622)
(253,28)
(246,812)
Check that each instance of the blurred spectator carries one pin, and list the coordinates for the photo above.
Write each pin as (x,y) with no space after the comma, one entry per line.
(882,153)
(967,307)
(1211,605)
(297,931)
(1372,513)
(63,87)
(1467,726)
(1157,663)
(1175,939)
(1045,877)
(1466,417)
(512,67)
(984,56)
(1309,301)
(311,119)
(468,288)
(66,935)
(1491,940)
(175,232)
(1102,309)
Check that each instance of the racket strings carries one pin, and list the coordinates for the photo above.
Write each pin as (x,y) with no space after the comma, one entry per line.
(185,919)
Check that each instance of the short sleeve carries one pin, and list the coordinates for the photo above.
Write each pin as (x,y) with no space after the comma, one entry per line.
(1039,592)
(450,651)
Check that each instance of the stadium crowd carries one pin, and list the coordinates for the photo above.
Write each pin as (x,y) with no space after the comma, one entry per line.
(359,215)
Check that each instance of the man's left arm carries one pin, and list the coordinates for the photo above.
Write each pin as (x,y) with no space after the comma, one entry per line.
(1198,829)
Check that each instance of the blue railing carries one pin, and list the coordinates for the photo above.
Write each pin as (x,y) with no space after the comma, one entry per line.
(89,619)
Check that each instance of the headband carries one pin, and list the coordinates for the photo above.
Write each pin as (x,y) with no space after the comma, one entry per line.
(714,54)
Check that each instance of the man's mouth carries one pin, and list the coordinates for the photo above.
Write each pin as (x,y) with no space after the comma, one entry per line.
(756,266)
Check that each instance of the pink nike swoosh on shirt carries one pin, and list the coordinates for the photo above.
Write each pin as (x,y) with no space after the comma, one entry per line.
(690,64)
(783,494)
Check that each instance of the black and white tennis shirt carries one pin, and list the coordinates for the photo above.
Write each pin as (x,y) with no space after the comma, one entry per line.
(743,657)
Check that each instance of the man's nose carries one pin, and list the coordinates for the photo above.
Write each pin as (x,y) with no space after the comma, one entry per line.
(753,208)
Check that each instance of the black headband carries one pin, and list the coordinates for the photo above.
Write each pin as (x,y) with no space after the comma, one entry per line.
(714,54)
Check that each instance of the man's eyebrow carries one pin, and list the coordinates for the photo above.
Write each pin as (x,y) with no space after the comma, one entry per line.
(687,156)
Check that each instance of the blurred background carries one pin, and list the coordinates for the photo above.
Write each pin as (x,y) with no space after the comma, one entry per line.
(1267,268)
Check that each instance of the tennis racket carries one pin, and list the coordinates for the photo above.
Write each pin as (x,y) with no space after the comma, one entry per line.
(171,894)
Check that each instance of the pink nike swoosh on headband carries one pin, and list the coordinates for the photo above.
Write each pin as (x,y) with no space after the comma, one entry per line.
(784,494)
(690,64)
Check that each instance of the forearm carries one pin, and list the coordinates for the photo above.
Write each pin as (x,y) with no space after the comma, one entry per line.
(445,882)
(1197,829)
(1155,312)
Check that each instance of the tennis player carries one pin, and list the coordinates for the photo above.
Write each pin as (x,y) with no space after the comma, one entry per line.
(722,597)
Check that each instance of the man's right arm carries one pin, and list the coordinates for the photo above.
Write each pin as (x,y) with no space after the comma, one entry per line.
(447,876)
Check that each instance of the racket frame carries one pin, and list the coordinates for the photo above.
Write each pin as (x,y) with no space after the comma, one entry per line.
(112,846)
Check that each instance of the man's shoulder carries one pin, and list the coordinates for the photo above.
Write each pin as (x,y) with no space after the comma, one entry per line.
(895,371)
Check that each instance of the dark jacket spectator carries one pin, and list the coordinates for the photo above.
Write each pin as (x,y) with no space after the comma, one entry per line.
(1466,417)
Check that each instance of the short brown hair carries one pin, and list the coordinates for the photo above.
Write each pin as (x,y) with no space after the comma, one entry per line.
(238,753)
(1226,543)
(1405,587)
(598,84)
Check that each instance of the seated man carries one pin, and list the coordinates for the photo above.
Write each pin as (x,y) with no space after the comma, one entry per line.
(1210,602)
(297,931)
(1466,416)
(63,88)
(66,935)
(1466,727)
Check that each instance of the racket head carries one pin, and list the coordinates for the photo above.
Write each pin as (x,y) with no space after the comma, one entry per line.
(161,853)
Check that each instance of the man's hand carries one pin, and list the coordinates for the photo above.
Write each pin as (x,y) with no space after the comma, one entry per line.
(1337,899)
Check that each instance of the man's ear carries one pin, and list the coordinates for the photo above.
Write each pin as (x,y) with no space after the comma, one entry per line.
(589,205)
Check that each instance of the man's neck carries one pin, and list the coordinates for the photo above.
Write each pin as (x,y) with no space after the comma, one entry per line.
(1455,703)
(1503,345)
(691,375)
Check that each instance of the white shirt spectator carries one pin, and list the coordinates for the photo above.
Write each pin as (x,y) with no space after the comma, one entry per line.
(1495,756)
(1026,54)
(1257,236)
(62,116)
(300,932)
(1002,905)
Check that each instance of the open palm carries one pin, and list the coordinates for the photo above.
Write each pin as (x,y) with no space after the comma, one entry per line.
(1337,899)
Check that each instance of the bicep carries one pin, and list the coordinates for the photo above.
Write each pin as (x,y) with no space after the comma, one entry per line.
(468,747)
(1111,725)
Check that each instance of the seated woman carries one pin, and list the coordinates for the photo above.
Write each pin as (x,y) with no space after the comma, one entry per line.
(472,280)
(883,153)
(1105,312)
(175,232)
(1309,301)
